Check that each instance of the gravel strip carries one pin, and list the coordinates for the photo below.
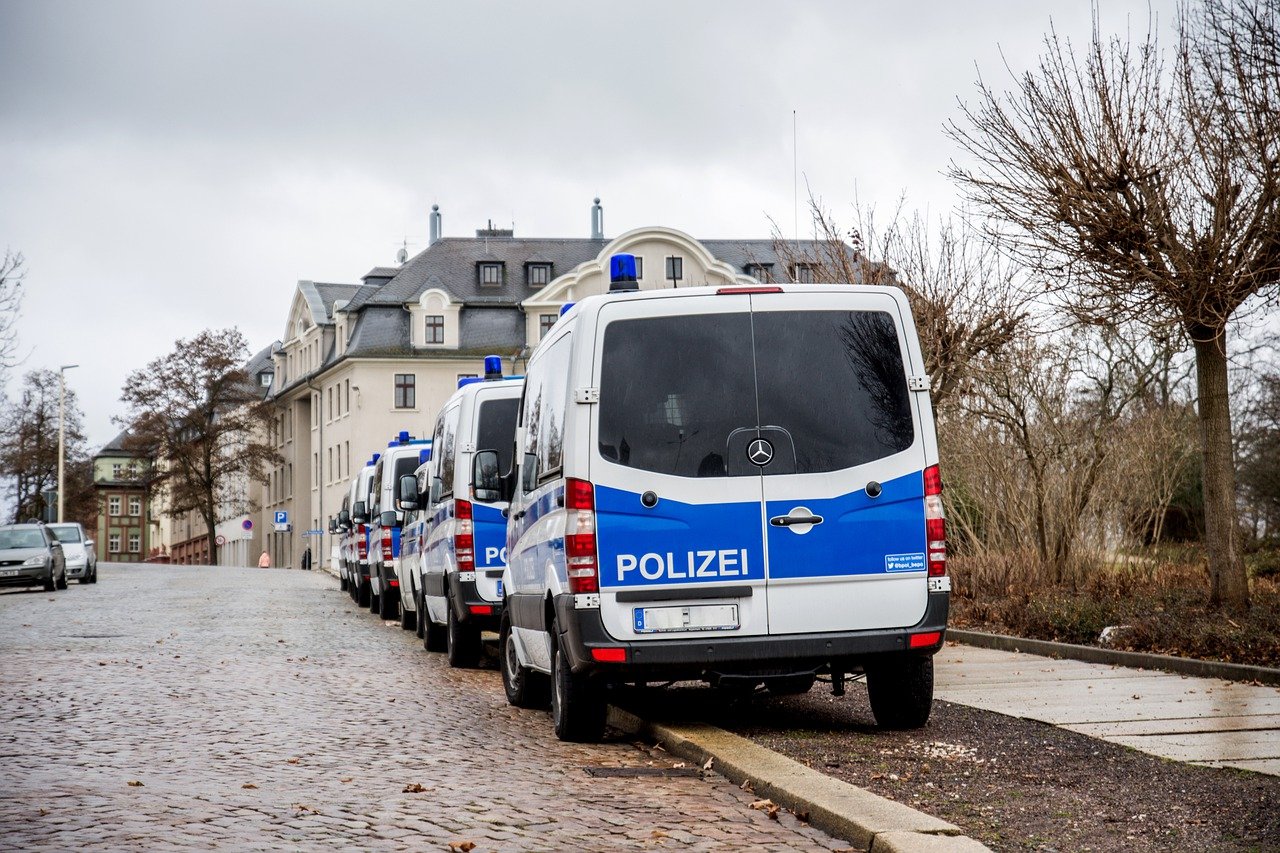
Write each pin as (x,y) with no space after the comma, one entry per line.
(1013,784)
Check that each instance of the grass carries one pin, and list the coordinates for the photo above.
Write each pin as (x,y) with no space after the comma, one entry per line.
(1163,607)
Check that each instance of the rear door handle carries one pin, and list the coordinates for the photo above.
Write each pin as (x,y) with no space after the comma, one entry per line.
(788,520)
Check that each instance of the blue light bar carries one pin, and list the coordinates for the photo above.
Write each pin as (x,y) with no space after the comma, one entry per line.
(564,309)
(374,460)
(622,273)
(424,455)
(404,436)
(493,367)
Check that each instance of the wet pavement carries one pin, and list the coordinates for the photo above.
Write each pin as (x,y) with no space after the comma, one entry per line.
(173,707)
(1198,720)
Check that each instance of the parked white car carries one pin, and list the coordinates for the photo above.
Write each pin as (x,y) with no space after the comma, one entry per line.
(82,562)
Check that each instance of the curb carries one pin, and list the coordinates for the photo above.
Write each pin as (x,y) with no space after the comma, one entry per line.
(1115,657)
(871,822)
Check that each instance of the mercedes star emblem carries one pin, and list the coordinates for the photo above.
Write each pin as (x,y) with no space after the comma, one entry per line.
(760,452)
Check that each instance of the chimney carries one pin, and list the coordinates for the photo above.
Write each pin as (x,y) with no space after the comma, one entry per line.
(435,226)
(597,221)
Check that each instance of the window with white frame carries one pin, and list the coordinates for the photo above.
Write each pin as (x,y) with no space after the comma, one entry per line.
(639,267)
(117,470)
(113,505)
(435,329)
(490,274)
(113,543)
(135,505)
(135,543)
(538,274)
(546,322)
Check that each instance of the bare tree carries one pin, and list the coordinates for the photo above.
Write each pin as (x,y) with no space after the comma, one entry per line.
(198,414)
(29,441)
(11,275)
(1147,192)
(964,297)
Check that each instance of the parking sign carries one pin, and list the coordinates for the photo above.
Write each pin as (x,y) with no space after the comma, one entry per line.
(282,516)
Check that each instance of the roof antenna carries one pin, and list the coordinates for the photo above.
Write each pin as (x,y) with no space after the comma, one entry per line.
(795,183)
(402,254)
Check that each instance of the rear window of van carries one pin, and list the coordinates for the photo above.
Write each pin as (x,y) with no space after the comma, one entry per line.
(674,390)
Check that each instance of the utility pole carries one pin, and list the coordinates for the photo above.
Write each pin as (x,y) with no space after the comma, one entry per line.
(62,433)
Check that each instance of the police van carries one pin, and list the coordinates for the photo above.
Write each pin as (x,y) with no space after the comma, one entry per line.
(403,455)
(355,541)
(413,534)
(735,484)
(464,556)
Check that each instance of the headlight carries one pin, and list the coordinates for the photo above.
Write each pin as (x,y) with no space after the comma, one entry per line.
(35,561)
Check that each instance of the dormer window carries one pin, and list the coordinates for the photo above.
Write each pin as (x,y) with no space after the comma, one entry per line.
(803,273)
(675,268)
(538,274)
(762,273)
(264,378)
(490,274)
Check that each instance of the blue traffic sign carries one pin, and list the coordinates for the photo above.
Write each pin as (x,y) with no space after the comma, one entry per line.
(282,516)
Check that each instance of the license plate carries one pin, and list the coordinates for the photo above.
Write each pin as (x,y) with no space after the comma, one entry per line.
(694,617)
(499,590)
(8,573)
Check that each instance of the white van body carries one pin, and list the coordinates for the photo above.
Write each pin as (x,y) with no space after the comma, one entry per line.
(746,469)
(459,604)
(356,542)
(395,594)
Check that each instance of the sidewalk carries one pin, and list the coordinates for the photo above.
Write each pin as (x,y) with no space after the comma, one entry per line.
(1197,720)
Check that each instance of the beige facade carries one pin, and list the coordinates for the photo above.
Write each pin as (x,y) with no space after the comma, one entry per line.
(339,399)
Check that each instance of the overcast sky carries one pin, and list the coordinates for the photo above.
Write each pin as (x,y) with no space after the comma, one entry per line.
(170,166)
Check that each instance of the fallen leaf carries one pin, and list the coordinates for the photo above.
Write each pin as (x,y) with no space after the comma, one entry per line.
(462,846)
(134,783)
(658,833)
(249,785)
(413,788)
(747,786)
(348,779)
(291,761)
(710,761)
(678,764)
(769,807)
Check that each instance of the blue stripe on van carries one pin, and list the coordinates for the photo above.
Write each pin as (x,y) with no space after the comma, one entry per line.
(676,542)
(858,535)
(490,531)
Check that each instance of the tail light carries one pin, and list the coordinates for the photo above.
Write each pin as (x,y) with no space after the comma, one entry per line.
(362,541)
(580,536)
(464,541)
(388,545)
(935,524)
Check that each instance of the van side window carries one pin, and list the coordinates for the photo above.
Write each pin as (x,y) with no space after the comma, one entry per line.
(555,402)
(448,447)
(495,428)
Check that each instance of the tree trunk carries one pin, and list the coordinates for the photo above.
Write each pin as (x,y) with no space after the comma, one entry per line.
(1228,581)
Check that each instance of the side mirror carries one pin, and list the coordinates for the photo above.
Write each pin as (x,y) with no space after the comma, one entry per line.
(529,473)
(333,525)
(344,520)
(486,482)
(388,519)
(437,488)
(359,513)
(408,493)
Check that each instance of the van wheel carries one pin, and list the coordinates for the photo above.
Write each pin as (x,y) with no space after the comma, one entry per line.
(408,618)
(342,582)
(364,592)
(462,641)
(389,603)
(525,688)
(433,635)
(901,691)
(578,708)
(421,608)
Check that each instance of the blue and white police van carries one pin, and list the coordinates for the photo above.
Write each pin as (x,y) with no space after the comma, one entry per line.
(735,484)
(465,554)
(355,539)
(403,455)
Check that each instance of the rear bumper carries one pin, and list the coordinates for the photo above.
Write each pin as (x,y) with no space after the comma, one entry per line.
(583,630)
(467,600)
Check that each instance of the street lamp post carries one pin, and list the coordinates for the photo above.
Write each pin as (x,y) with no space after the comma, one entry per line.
(62,432)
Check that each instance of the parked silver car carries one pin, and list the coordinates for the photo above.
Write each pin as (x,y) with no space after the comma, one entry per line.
(30,555)
(77,550)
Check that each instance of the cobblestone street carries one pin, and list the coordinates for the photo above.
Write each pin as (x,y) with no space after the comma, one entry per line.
(259,709)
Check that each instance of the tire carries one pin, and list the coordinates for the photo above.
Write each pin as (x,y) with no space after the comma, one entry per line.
(422,619)
(389,603)
(342,581)
(62,580)
(524,687)
(408,618)
(364,593)
(374,598)
(51,584)
(578,706)
(84,580)
(901,691)
(462,641)
(94,577)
